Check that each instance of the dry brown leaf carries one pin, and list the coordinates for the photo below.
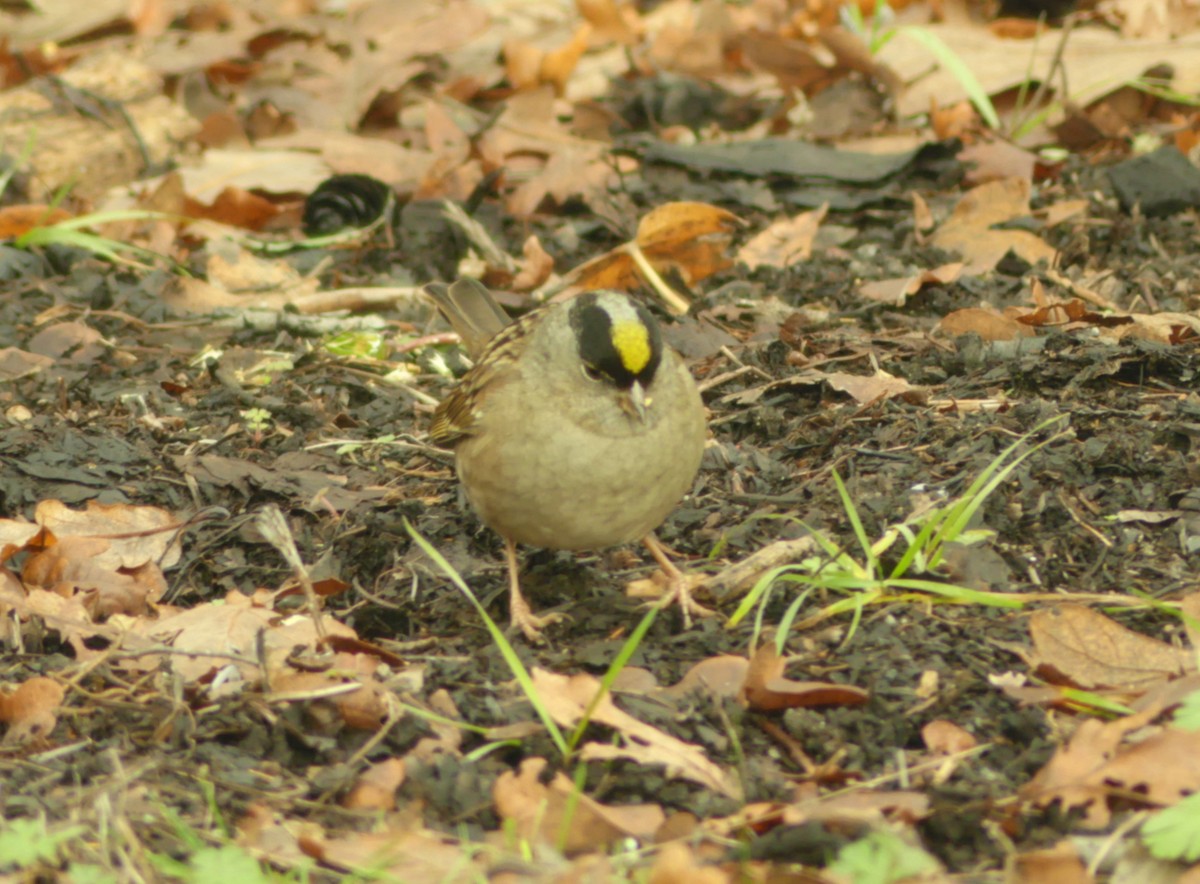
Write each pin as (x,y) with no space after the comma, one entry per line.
(135,534)
(985,322)
(785,242)
(691,238)
(1077,644)
(947,738)
(1056,214)
(81,566)
(922,215)
(1096,765)
(522,64)
(1064,314)
(958,120)
(1155,19)
(398,854)
(968,231)
(235,207)
(536,265)
(31,710)
(677,863)
(1189,606)
(230,628)
(528,125)
(1094,61)
(238,271)
(994,159)
(16,363)
(556,814)
(1060,864)
(568,697)
(855,808)
(792,62)
(573,169)
(17,220)
(453,173)
(719,677)
(375,788)
(613,22)
(1111,325)
(347,694)
(897,291)
(69,342)
(365,709)
(871,388)
(66,616)
(253,169)
(1165,328)
(15,534)
(447,738)
(766,690)
(558,64)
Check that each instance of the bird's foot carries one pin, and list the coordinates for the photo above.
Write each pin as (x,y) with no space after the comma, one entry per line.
(531,624)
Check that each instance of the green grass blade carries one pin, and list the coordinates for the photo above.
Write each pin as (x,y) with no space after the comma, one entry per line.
(953,62)
(855,522)
(520,673)
(628,649)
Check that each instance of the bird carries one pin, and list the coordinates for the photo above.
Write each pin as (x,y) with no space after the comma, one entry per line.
(577,428)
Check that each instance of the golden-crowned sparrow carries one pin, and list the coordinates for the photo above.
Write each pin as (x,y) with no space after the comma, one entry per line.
(577,428)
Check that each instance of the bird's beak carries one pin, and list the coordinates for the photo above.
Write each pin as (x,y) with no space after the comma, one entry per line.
(634,403)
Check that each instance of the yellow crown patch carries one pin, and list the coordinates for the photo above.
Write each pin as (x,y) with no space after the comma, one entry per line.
(631,340)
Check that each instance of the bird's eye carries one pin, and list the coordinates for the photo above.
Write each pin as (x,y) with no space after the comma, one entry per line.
(593,373)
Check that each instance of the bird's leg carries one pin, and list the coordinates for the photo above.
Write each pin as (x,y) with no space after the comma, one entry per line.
(520,614)
(679,585)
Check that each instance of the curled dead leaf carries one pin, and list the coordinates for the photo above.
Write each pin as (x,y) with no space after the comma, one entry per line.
(375,788)
(556,813)
(688,237)
(947,738)
(31,710)
(766,690)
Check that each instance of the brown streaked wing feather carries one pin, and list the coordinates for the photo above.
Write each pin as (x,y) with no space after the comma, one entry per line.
(471,311)
(454,416)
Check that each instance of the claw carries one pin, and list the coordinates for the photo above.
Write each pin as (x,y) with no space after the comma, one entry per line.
(679,585)
(521,616)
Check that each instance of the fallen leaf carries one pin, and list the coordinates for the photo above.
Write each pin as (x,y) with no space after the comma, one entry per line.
(989,324)
(719,677)
(947,738)
(677,863)
(766,690)
(31,710)
(568,697)
(969,231)
(784,242)
(135,534)
(871,388)
(1060,864)
(375,788)
(557,814)
(80,566)
(1096,765)
(1076,644)
(897,291)
(691,238)
(17,220)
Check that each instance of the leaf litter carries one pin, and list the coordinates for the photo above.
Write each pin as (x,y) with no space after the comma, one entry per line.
(895,316)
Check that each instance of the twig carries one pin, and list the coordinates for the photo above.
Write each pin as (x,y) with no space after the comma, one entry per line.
(275,531)
(742,574)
